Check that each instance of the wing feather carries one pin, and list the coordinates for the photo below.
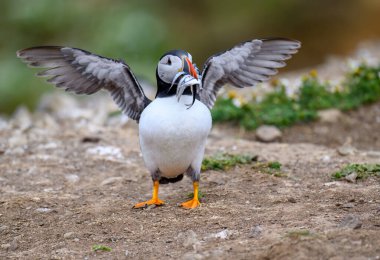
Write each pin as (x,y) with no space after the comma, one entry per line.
(82,72)
(245,65)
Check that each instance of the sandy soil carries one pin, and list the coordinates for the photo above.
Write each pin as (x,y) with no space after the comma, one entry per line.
(67,185)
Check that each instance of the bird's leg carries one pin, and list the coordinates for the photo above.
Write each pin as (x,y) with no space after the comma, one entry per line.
(155,200)
(193,203)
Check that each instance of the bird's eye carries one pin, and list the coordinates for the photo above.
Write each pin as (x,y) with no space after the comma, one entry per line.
(169,62)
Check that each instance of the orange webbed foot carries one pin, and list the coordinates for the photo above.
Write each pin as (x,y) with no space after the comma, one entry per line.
(145,204)
(191,204)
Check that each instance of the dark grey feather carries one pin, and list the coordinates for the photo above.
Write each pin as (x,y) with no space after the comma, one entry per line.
(245,65)
(82,72)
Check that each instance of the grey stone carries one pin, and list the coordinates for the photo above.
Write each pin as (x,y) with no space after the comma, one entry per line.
(22,119)
(351,177)
(6,246)
(68,235)
(345,150)
(267,133)
(72,178)
(256,232)
(329,115)
(350,221)
(224,234)
(111,180)
(190,239)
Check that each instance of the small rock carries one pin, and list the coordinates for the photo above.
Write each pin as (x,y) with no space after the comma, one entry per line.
(126,253)
(351,177)
(48,146)
(68,235)
(150,207)
(3,124)
(22,119)
(43,210)
(107,152)
(373,154)
(5,246)
(350,221)
(190,240)
(345,150)
(224,234)
(348,205)
(292,200)
(329,115)
(326,158)
(73,178)
(111,180)
(256,231)
(15,151)
(14,244)
(17,140)
(267,133)
(3,227)
(90,139)
(192,256)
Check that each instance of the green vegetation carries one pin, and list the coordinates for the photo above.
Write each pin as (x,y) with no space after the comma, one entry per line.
(361,86)
(224,161)
(101,248)
(200,195)
(271,168)
(363,171)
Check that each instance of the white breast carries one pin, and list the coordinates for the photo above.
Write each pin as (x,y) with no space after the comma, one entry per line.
(173,137)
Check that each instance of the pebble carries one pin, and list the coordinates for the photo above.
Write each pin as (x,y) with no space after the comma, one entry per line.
(68,235)
(192,256)
(22,119)
(348,205)
(17,140)
(111,180)
(191,240)
(345,150)
(43,210)
(350,221)
(107,152)
(351,177)
(5,246)
(292,200)
(329,115)
(73,178)
(256,231)
(267,133)
(224,234)
(3,124)
(373,154)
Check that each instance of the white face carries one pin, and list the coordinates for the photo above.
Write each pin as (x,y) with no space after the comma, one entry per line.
(168,67)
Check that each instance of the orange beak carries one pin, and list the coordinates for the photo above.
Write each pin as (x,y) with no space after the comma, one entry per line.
(192,70)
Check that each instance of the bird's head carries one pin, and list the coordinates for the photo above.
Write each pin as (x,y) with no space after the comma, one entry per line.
(176,73)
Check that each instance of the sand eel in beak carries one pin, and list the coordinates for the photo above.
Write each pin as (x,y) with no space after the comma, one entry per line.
(173,128)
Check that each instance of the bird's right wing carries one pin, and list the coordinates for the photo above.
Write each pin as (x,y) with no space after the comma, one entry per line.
(83,72)
(245,65)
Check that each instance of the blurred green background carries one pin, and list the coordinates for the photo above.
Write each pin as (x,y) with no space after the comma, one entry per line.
(141,31)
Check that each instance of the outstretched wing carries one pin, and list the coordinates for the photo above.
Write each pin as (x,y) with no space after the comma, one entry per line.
(82,72)
(245,65)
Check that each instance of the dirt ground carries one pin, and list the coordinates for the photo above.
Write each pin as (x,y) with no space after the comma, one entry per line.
(67,185)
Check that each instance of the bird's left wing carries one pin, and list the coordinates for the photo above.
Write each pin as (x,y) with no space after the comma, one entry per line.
(83,72)
(245,65)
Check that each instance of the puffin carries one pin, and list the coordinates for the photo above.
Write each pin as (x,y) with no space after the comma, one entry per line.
(173,127)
